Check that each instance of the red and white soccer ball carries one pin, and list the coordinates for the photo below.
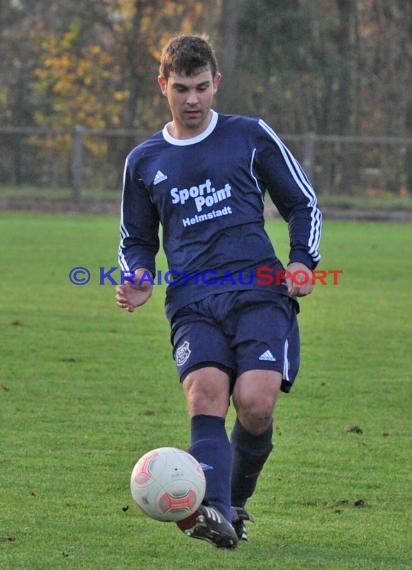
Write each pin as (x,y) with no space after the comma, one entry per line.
(168,484)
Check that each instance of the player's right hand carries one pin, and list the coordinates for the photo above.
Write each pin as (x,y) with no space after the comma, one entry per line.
(130,296)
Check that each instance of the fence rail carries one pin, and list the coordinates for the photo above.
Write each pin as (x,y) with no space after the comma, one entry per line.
(80,158)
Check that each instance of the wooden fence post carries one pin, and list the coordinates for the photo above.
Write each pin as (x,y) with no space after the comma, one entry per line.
(309,140)
(77,163)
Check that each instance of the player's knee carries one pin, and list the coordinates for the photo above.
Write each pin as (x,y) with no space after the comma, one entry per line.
(206,394)
(205,401)
(255,397)
(256,413)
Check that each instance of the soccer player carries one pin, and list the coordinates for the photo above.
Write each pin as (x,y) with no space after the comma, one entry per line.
(234,330)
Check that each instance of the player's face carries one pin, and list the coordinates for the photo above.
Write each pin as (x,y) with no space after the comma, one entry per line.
(190,99)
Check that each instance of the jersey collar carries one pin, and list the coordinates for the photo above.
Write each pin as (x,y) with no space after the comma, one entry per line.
(185,142)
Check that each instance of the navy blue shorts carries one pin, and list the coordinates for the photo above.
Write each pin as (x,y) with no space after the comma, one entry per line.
(237,331)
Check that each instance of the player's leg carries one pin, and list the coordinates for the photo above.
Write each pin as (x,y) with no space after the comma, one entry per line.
(207,396)
(268,361)
(204,361)
(254,398)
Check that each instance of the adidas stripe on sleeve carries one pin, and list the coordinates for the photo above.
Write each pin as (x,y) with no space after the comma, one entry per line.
(293,195)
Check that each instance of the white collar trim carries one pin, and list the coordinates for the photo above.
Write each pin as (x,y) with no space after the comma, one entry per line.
(185,142)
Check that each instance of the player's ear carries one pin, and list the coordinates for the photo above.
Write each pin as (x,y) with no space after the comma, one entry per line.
(162,81)
(216,80)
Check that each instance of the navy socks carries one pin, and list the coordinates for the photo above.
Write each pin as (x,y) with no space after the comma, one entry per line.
(211,447)
(250,453)
(231,468)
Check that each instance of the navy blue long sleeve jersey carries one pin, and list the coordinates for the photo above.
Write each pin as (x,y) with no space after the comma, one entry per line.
(208,194)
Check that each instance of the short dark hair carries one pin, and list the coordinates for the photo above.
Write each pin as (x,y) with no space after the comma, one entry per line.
(187,55)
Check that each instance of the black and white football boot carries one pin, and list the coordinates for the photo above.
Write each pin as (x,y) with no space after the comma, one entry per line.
(208,523)
(239,516)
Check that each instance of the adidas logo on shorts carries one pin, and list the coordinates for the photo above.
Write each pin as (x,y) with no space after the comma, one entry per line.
(267,355)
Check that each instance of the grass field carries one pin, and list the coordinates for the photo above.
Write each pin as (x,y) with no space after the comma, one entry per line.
(386,202)
(85,390)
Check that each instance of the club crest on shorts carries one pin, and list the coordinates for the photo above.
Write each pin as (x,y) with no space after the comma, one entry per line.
(182,353)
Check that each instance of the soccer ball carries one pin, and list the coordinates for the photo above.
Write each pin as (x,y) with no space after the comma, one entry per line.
(168,484)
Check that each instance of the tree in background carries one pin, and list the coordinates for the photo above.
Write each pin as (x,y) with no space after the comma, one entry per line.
(323,66)
(98,68)
(332,67)
(98,71)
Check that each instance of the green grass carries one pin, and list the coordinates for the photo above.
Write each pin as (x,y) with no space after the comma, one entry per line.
(85,390)
(33,193)
(384,202)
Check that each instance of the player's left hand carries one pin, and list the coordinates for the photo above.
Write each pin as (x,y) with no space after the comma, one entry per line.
(298,284)
(130,296)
